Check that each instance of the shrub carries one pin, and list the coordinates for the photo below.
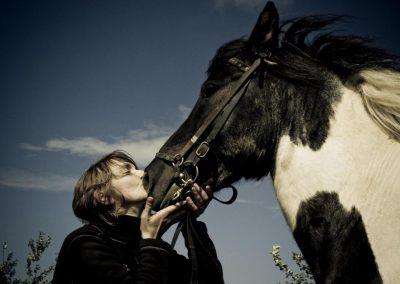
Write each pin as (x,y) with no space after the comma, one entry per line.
(300,275)
(35,275)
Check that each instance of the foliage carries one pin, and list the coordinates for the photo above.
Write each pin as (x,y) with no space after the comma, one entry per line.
(35,275)
(301,275)
(7,267)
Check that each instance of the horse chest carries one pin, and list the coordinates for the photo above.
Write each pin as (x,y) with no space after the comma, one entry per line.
(361,166)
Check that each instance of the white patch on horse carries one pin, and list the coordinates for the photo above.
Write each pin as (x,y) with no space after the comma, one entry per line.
(359,162)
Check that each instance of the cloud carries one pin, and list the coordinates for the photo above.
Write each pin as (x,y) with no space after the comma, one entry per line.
(237,3)
(142,144)
(16,178)
(184,111)
(256,4)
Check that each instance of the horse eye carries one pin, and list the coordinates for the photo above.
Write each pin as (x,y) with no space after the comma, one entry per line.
(209,89)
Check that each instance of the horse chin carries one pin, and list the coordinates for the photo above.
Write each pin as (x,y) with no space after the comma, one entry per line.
(166,201)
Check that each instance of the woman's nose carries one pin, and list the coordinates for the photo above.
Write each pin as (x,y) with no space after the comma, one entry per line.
(140,173)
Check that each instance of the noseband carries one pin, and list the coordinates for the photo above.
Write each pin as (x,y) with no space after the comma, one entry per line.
(185,161)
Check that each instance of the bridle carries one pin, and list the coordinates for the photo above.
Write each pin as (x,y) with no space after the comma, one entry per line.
(185,162)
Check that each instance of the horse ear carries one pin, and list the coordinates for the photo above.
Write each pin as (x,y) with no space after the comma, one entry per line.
(265,33)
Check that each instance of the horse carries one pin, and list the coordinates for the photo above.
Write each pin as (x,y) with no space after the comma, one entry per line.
(321,115)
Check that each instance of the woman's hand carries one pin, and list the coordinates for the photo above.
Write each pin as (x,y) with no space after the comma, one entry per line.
(153,226)
(199,200)
(150,224)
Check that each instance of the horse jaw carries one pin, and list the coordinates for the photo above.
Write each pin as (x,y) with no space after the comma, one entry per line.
(359,163)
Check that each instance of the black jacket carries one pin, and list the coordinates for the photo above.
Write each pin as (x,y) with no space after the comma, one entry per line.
(100,253)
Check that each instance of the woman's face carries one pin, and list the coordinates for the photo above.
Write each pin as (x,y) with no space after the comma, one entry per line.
(127,180)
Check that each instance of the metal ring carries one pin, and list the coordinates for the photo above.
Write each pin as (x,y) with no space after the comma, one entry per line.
(187,164)
(178,161)
(206,147)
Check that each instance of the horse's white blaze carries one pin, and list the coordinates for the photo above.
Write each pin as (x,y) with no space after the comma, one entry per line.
(361,164)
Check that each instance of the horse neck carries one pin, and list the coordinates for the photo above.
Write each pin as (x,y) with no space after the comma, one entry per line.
(358,162)
(353,158)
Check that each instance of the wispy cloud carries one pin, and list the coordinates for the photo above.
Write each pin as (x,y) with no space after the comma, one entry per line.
(142,144)
(16,178)
(254,4)
(237,3)
(184,111)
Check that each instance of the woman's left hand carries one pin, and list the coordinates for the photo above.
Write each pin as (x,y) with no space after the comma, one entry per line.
(199,199)
(197,203)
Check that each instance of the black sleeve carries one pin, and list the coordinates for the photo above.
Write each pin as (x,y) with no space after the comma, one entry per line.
(209,267)
(94,261)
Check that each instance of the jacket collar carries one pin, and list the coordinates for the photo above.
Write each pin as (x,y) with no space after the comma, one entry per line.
(125,229)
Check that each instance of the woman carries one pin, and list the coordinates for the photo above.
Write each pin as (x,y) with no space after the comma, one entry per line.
(115,245)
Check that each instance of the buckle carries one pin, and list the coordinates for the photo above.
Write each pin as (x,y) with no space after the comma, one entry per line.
(177,160)
(203,149)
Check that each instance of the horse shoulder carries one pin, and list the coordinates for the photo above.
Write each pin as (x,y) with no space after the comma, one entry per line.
(359,163)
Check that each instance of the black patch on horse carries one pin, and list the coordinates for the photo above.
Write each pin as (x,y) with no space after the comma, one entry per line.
(295,96)
(334,241)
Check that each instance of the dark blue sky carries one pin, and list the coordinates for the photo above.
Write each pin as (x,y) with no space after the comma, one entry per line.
(81,78)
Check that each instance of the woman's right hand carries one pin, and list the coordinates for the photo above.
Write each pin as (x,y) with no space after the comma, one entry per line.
(150,224)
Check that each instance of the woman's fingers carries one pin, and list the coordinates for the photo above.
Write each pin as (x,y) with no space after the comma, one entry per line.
(201,197)
(163,213)
(191,205)
(209,191)
(204,195)
(198,198)
(148,229)
(147,207)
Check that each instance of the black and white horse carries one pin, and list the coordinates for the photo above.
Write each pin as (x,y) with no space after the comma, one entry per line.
(323,118)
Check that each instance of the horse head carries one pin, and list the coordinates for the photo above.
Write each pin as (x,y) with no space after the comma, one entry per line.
(272,104)
(310,112)
(245,136)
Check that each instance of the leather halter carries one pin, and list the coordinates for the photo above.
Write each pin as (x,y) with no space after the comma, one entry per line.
(186,160)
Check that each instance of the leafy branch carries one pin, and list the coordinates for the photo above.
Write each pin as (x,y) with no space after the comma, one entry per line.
(35,275)
(302,275)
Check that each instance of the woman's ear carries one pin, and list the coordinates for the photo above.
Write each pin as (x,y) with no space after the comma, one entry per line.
(266,31)
(103,198)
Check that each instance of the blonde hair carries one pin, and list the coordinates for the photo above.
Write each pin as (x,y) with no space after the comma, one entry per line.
(94,198)
(380,92)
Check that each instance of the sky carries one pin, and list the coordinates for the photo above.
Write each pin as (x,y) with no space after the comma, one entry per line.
(79,79)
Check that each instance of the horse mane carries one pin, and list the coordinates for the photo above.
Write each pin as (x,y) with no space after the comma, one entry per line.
(372,71)
(308,42)
(344,55)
